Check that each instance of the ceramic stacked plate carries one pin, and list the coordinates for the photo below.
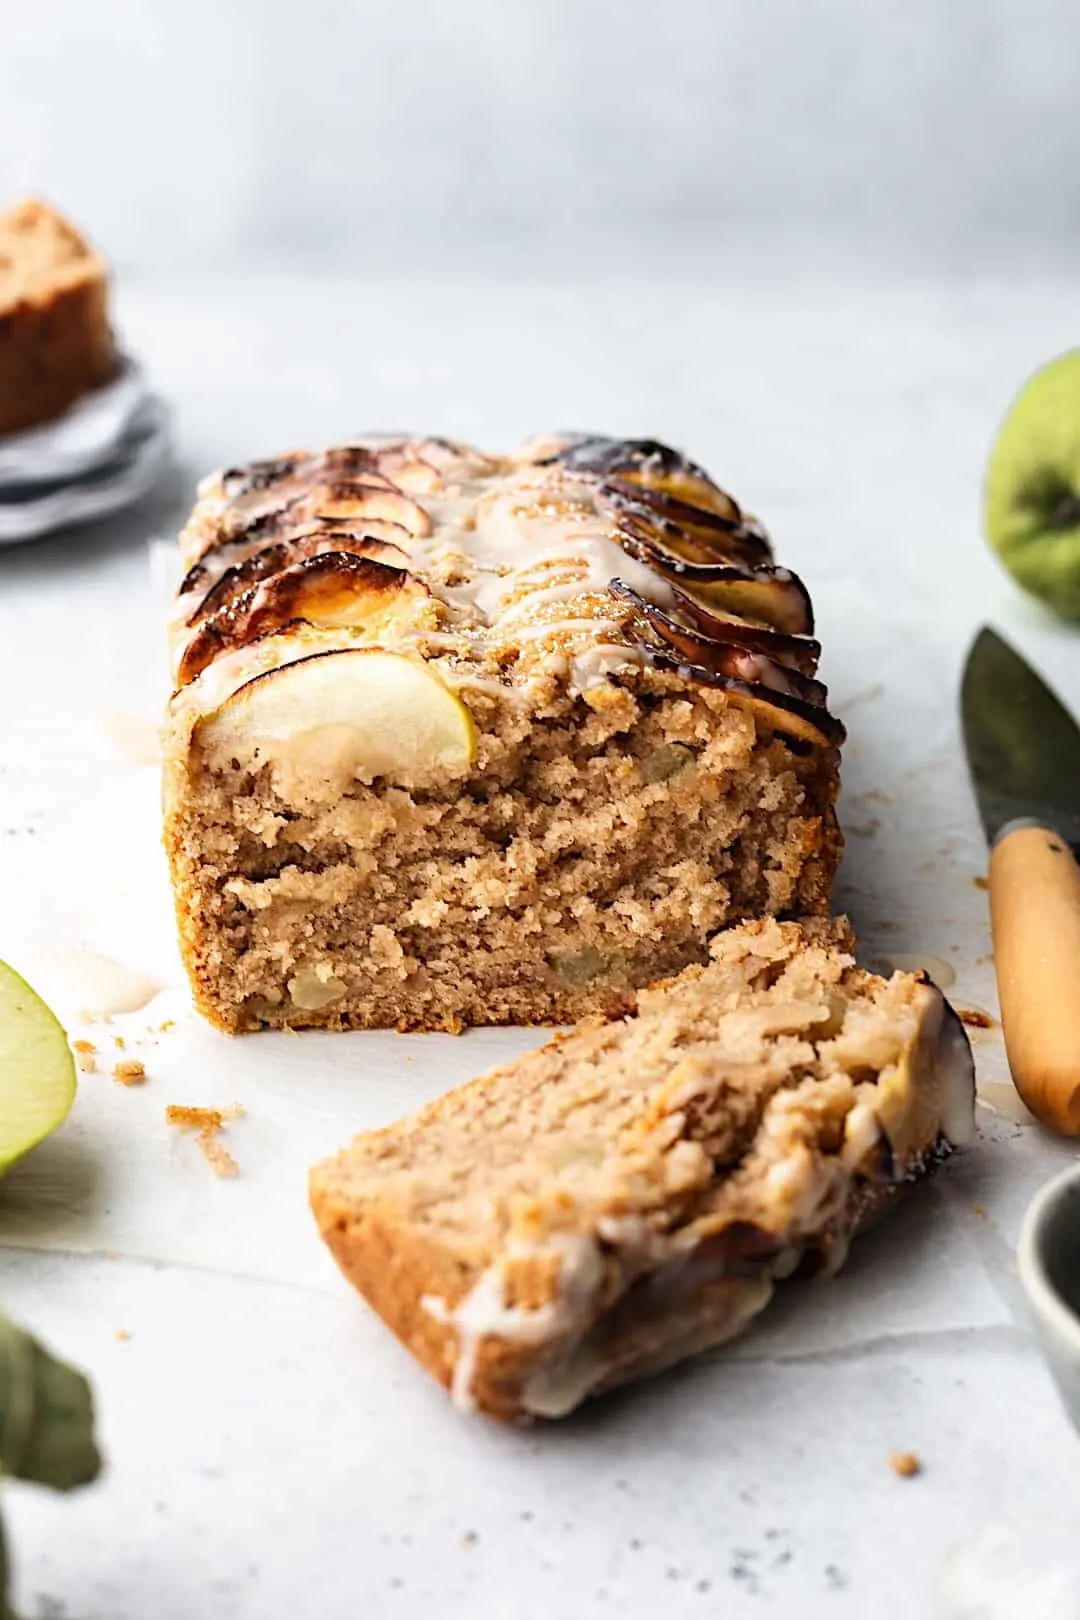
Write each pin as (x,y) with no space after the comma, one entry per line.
(99,457)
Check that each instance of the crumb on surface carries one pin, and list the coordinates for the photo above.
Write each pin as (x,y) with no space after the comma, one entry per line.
(905,1464)
(84,1046)
(86,1061)
(119,1042)
(980,882)
(129,1072)
(123,1334)
(469,1538)
(980,1211)
(163,1029)
(207,1124)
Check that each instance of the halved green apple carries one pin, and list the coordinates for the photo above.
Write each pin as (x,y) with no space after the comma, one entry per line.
(37,1071)
(344,715)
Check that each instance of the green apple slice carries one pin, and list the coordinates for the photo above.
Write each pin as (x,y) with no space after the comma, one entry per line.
(37,1071)
(345,715)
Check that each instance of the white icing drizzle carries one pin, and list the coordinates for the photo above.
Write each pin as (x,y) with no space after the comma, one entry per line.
(483,1313)
(512,554)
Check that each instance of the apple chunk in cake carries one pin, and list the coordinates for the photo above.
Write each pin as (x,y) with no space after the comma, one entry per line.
(462,738)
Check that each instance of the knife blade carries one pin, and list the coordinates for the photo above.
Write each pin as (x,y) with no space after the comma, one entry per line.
(1023,745)
(1023,752)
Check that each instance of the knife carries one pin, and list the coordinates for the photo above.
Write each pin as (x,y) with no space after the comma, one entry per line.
(1023,751)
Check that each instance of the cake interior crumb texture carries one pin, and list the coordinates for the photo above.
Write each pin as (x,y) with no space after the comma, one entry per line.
(635,1190)
(614,808)
(55,341)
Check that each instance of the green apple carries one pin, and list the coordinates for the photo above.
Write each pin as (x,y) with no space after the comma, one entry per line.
(37,1071)
(1031,504)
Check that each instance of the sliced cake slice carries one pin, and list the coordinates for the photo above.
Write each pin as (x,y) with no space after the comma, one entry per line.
(55,341)
(633,1192)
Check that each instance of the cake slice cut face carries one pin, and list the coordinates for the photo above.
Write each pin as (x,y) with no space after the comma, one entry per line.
(636,1191)
(461,738)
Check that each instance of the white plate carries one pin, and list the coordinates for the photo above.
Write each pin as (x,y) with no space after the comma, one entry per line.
(117,482)
(83,439)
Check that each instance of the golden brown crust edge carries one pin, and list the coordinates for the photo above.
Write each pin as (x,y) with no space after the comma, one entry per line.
(395,1268)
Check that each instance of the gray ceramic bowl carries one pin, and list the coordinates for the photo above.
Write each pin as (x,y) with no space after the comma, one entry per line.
(1048,1257)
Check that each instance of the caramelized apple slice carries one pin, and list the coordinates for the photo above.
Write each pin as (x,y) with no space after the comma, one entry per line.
(408,470)
(343,460)
(367,502)
(797,652)
(804,723)
(309,541)
(334,589)
(229,552)
(688,531)
(258,475)
(351,714)
(766,595)
(651,464)
(729,655)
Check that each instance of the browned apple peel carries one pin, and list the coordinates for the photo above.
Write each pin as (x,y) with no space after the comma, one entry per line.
(312,540)
(726,655)
(342,460)
(805,724)
(649,463)
(797,652)
(689,532)
(335,590)
(767,595)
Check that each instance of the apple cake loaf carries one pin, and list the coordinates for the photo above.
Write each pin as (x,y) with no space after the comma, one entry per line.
(55,342)
(463,738)
(633,1192)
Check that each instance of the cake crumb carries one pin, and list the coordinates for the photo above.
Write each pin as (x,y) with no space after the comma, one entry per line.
(905,1464)
(86,1060)
(119,1042)
(84,1046)
(163,1029)
(123,1334)
(980,883)
(129,1072)
(207,1123)
(975,1018)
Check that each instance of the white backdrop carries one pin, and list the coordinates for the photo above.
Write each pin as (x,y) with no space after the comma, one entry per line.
(417,134)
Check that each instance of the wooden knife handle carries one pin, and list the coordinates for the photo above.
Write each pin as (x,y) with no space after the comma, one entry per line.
(1035,917)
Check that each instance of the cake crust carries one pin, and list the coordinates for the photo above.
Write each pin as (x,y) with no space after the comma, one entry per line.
(55,341)
(632,750)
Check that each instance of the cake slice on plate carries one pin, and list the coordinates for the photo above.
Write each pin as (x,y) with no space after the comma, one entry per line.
(462,738)
(636,1191)
(55,341)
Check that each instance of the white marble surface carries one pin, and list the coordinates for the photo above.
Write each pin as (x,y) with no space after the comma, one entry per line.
(271,1451)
